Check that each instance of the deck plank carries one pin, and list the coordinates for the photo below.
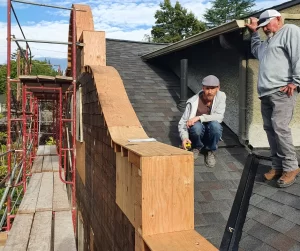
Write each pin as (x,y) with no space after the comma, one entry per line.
(19,233)
(40,236)
(37,164)
(47,164)
(40,150)
(53,150)
(63,232)
(47,150)
(45,199)
(55,163)
(28,204)
(60,196)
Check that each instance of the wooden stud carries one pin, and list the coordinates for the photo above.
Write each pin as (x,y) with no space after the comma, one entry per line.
(124,152)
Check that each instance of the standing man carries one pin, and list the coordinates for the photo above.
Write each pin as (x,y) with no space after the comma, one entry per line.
(279,77)
(200,122)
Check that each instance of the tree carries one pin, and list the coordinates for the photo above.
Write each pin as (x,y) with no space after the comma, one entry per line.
(174,23)
(223,11)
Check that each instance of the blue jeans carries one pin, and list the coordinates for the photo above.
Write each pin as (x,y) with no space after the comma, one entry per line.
(205,135)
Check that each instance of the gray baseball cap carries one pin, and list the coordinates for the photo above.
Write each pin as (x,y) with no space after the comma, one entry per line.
(266,17)
(211,80)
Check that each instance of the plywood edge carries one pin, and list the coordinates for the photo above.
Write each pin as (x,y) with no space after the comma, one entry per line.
(180,241)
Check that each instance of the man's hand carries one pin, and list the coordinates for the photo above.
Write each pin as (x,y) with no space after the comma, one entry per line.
(184,143)
(289,89)
(192,121)
(253,24)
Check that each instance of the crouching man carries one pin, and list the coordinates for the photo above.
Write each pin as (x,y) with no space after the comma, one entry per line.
(200,122)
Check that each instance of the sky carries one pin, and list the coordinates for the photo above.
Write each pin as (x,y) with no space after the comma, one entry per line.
(120,19)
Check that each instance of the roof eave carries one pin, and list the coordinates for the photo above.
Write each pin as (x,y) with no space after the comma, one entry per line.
(198,38)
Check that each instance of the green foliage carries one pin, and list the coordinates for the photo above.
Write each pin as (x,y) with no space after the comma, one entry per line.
(174,23)
(223,11)
(51,141)
(38,68)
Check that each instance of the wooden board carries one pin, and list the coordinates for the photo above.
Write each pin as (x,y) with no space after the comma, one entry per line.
(168,194)
(40,236)
(3,238)
(47,164)
(179,241)
(45,199)
(37,164)
(53,150)
(64,238)
(40,150)
(60,196)
(19,234)
(80,160)
(129,132)
(55,163)
(47,150)
(28,204)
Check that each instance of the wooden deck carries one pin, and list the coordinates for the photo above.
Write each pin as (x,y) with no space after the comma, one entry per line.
(44,219)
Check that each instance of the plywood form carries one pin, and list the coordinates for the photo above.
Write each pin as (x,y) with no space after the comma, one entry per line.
(28,204)
(64,238)
(127,132)
(40,236)
(168,194)
(179,241)
(94,51)
(19,234)
(37,164)
(60,196)
(45,198)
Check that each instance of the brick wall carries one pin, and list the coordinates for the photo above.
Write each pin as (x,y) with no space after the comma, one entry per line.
(102,218)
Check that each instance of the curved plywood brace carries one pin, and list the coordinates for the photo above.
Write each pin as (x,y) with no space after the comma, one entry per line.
(119,115)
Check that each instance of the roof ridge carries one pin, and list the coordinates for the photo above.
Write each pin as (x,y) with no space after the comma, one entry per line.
(132,41)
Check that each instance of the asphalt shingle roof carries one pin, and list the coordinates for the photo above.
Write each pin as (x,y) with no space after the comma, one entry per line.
(273,219)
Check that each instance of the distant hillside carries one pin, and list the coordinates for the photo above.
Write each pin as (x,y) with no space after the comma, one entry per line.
(63,62)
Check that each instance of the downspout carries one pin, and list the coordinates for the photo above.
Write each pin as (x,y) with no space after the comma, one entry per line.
(242,100)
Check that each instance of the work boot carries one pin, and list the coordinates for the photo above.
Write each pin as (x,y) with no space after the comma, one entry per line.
(273,174)
(196,153)
(288,178)
(209,159)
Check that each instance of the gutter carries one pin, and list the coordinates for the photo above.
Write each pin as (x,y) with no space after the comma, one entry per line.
(196,39)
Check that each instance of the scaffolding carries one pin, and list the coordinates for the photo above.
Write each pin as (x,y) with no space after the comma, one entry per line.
(25,96)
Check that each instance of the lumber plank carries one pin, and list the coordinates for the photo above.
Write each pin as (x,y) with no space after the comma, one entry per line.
(53,150)
(28,204)
(40,150)
(55,163)
(37,164)
(180,241)
(64,238)
(60,196)
(19,233)
(45,199)
(40,236)
(47,164)
(47,150)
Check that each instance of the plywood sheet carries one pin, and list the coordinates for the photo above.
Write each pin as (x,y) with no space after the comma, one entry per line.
(47,150)
(53,150)
(45,199)
(179,241)
(60,196)
(28,204)
(40,236)
(168,194)
(64,238)
(19,234)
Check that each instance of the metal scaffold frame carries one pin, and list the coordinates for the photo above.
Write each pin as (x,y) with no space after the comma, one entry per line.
(27,119)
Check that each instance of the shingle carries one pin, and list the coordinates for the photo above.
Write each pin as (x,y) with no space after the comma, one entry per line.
(221,194)
(282,225)
(266,218)
(249,243)
(262,232)
(281,242)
